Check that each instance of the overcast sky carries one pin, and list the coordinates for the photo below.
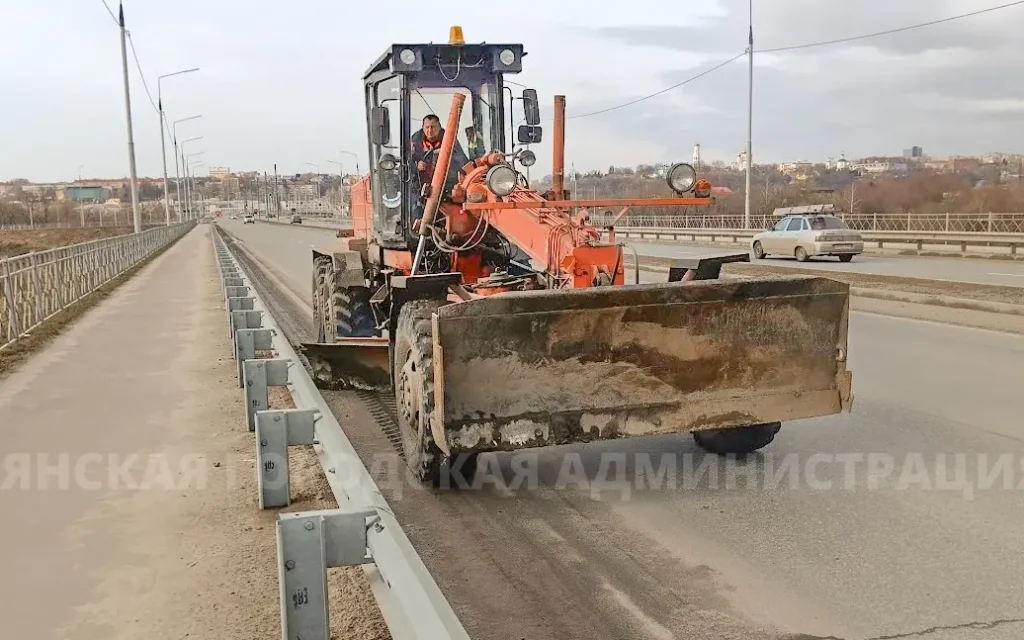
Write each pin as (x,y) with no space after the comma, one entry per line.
(281,81)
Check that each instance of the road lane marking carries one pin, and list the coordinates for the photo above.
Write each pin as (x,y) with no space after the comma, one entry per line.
(1012,275)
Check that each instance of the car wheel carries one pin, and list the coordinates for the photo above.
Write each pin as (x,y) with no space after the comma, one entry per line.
(846,257)
(759,250)
(801,254)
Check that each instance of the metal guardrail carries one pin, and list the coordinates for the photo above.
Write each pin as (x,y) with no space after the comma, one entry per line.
(879,238)
(363,531)
(38,285)
(1004,223)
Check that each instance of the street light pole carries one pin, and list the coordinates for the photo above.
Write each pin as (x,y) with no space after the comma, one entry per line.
(163,147)
(128,113)
(190,180)
(184,166)
(192,170)
(177,173)
(750,114)
(349,153)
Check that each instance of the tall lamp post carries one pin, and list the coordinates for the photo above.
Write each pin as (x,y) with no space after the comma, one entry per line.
(136,220)
(177,173)
(341,174)
(190,181)
(750,114)
(184,167)
(192,172)
(163,147)
(349,153)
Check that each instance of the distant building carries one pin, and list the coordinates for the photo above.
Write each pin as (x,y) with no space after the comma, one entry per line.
(842,164)
(795,168)
(871,167)
(87,194)
(219,173)
(913,152)
(696,154)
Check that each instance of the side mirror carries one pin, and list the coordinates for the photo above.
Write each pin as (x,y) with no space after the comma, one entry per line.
(380,126)
(531,107)
(529,134)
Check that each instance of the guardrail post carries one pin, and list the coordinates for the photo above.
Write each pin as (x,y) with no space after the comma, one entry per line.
(246,303)
(240,291)
(245,319)
(247,343)
(12,310)
(309,543)
(233,282)
(275,432)
(990,222)
(259,376)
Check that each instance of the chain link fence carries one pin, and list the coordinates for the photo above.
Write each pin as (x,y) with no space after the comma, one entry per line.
(38,285)
(1009,223)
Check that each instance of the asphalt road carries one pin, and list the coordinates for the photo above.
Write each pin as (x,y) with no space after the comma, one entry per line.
(984,271)
(901,519)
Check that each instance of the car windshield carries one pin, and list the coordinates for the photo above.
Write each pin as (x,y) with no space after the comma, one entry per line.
(826,222)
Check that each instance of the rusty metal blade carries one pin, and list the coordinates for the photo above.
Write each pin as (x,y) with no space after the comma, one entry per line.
(350,363)
(548,367)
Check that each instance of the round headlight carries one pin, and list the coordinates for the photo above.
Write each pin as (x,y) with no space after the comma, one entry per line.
(507,57)
(682,177)
(387,162)
(501,179)
(527,158)
(407,56)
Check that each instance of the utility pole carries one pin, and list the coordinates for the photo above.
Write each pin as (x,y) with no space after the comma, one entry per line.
(81,203)
(750,115)
(184,168)
(277,194)
(128,112)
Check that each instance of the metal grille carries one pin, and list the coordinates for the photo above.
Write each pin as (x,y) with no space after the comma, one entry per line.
(38,285)
(1009,223)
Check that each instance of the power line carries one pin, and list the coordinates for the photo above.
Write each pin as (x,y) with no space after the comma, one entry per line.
(142,75)
(806,46)
(890,31)
(112,16)
(666,89)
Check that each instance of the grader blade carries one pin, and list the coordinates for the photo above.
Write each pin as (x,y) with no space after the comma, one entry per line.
(556,366)
(350,363)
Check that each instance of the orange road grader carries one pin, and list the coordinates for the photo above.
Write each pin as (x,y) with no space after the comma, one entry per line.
(500,317)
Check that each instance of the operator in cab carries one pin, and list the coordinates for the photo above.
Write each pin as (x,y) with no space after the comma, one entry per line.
(426,144)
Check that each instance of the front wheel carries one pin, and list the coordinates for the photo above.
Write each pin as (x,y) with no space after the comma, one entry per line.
(758,250)
(801,254)
(846,257)
(737,441)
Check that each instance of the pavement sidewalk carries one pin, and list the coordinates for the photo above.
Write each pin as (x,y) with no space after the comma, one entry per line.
(128,501)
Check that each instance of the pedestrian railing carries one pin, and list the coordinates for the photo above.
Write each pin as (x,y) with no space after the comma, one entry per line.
(38,285)
(1003,223)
